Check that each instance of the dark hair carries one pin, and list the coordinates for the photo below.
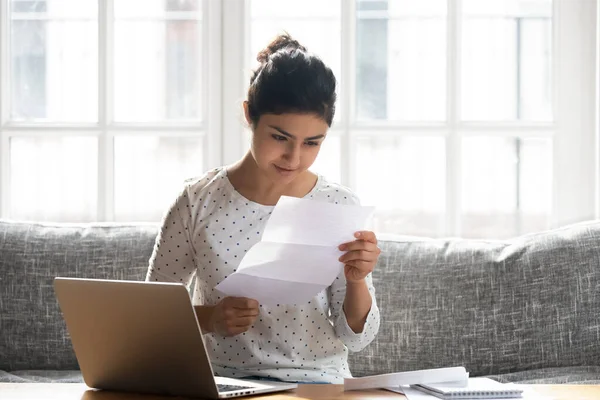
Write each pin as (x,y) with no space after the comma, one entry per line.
(291,80)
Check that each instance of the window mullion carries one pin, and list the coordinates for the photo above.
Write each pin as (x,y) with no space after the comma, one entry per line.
(347,91)
(4,174)
(105,109)
(4,96)
(4,62)
(453,143)
(213,76)
(234,34)
(597,118)
(518,139)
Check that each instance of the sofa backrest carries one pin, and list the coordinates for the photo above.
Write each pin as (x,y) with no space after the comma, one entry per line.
(32,331)
(493,307)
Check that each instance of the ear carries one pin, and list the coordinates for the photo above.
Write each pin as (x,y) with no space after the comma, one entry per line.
(247,113)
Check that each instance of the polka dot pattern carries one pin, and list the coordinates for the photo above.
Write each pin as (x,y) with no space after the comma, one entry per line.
(205,234)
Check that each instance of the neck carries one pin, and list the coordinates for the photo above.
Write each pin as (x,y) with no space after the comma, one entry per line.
(248,180)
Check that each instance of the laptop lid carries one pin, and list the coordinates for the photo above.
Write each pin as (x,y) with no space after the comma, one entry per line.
(139,337)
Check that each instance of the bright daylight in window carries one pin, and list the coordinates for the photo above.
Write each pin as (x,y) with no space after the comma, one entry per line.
(121,98)
(409,110)
(444,120)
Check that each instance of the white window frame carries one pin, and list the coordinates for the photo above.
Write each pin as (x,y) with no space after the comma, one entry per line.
(4,93)
(107,129)
(575,143)
(597,105)
(575,131)
(575,110)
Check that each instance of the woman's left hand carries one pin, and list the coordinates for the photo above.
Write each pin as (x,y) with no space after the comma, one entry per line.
(361,256)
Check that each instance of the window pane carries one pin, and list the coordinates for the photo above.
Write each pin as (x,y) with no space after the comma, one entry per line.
(535,184)
(536,79)
(149,173)
(506,60)
(54,60)
(401,60)
(506,186)
(316,24)
(157,9)
(404,177)
(158,60)
(328,162)
(53,178)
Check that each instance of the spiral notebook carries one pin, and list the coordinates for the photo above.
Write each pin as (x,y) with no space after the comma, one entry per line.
(477,388)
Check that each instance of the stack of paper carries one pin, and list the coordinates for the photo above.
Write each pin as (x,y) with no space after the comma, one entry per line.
(443,383)
(453,374)
(476,388)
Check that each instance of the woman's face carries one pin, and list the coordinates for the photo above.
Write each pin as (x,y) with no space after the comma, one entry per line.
(284,146)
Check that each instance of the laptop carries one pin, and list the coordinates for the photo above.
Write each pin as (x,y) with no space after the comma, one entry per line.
(144,337)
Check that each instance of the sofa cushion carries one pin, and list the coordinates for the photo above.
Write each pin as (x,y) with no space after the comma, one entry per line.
(34,335)
(553,376)
(41,376)
(494,307)
(570,375)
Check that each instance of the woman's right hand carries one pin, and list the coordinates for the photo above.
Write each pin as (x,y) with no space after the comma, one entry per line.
(233,315)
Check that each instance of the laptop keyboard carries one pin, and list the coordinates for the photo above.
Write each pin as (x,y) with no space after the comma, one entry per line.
(230,388)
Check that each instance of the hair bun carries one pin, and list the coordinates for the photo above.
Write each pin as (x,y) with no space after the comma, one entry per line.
(282,41)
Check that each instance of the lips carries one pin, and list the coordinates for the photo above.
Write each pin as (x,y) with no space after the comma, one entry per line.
(284,170)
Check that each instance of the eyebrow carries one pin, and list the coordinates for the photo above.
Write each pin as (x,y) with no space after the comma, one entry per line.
(294,137)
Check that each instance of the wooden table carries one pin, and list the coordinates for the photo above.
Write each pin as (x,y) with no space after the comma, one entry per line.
(78,391)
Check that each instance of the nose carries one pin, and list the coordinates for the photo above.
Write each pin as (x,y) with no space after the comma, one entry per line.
(292,154)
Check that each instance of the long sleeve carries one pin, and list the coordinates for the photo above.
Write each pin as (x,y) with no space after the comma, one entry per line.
(354,341)
(337,293)
(172,259)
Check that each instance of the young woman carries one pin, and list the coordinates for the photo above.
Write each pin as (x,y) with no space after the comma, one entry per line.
(218,217)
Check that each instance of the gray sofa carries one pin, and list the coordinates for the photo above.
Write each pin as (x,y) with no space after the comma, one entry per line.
(525,310)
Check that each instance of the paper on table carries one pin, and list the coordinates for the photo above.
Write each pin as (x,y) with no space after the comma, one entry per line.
(452,374)
(414,394)
(410,393)
(297,256)
(476,387)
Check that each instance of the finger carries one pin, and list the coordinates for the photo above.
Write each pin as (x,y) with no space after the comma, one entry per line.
(359,245)
(231,312)
(244,312)
(236,330)
(234,324)
(366,235)
(362,266)
(244,303)
(243,321)
(359,255)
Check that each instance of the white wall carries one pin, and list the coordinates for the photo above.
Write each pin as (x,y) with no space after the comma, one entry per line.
(575,111)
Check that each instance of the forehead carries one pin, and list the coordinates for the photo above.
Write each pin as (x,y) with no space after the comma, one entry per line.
(299,125)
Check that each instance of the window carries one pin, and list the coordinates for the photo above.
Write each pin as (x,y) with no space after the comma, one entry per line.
(455,117)
(106,107)
(447,121)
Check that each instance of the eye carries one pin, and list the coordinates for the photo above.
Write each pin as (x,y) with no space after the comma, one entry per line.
(279,138)
(312,143)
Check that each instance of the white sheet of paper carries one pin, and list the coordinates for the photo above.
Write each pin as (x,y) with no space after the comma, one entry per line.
(316,223)
(297,256)
(452,374)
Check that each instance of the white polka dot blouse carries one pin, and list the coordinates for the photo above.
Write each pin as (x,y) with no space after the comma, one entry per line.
(205,234)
